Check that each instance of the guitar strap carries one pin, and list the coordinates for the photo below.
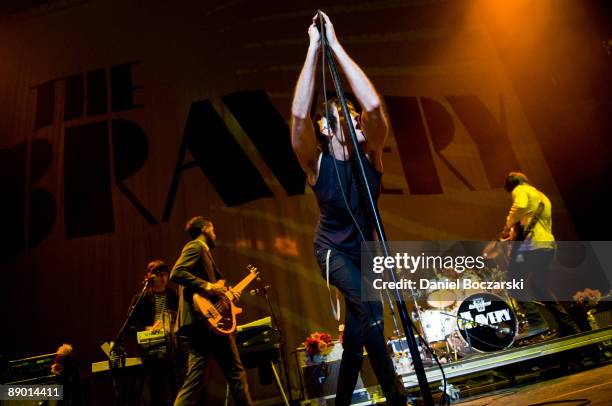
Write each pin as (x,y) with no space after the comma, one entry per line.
(212,276)
(534,220)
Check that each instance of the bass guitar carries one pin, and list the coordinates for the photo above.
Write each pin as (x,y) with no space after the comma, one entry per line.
(220,311)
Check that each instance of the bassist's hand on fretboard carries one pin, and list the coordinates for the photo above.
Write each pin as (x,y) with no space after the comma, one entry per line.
(218,288)
(235,294)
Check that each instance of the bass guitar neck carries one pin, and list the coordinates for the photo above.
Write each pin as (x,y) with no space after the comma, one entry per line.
(220,312)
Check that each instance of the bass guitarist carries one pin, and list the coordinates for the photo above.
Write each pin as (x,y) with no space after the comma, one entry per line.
(196,272)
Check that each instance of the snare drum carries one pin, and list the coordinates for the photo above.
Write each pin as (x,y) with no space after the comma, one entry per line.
(441,299)
(437,325)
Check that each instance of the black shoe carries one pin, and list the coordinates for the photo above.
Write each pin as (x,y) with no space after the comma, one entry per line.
(545,336)
(565,331)
(530,330)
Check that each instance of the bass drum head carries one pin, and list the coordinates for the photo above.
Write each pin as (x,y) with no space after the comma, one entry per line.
(486,322)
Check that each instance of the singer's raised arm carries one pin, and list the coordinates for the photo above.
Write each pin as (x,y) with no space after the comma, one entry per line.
(374,120)
(302,129)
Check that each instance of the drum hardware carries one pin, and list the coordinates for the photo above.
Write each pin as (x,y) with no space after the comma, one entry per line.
(482,322)
(452,393)
(402,360)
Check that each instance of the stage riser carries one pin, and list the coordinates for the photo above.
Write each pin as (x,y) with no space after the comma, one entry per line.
(512,356)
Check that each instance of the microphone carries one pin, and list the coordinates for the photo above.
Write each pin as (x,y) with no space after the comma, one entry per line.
(149,279)
(259,291)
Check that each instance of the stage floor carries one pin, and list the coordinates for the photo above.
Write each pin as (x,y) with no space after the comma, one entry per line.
(594,385)
(562,368)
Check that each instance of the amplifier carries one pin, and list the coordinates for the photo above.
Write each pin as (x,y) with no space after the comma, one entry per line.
(258,343)
(31,370)
(601,319)
(320,376)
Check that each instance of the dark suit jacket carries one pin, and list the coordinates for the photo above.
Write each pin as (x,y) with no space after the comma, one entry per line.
(192,271)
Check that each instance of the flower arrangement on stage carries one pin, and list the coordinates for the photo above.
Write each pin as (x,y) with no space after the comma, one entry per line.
(318,344)
(587,297)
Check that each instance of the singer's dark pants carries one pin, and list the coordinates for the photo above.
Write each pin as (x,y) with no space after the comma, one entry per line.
(363,326)
(534,267)
(203,344)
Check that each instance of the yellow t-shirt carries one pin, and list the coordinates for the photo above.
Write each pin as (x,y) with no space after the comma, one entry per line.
(525,202)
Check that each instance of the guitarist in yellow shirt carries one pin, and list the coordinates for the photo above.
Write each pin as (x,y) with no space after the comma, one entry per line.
(530,220)
(196,272)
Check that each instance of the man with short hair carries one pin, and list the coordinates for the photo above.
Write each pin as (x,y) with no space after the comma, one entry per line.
(196,272)
(530,220)
(345,221)
(157,302)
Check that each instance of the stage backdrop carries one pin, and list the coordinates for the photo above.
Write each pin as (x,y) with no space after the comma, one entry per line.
(119,120)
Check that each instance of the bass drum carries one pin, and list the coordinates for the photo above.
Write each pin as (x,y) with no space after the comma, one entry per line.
(485,323)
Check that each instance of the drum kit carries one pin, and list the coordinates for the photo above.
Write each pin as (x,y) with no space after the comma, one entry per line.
(460,323)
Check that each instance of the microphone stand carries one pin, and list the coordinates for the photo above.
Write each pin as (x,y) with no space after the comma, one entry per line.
(281,337)
(147,284)
(116,348)
(407,324)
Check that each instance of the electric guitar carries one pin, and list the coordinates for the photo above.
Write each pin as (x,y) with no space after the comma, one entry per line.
(220,311)
(517,233)
(501,248)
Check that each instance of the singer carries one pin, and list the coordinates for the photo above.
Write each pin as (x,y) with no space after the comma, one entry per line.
(325,156)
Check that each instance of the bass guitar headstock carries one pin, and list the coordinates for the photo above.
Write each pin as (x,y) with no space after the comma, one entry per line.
(252,269)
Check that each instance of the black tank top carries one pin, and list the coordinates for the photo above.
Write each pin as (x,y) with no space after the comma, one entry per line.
(336,228)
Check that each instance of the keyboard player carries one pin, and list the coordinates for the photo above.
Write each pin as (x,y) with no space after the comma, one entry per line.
(147,322)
